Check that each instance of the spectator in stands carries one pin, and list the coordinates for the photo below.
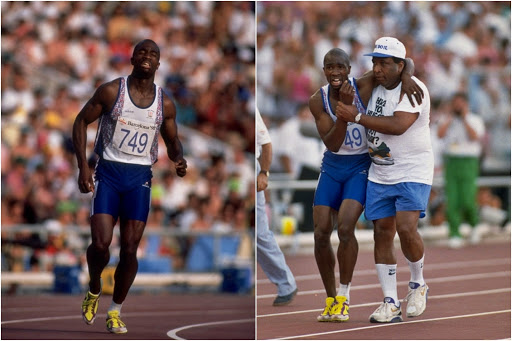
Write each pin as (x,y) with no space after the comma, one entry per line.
(296,151)
(462,133)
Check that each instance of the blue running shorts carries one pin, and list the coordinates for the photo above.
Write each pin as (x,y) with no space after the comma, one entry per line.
(122,190)
(342,177)
(385,200)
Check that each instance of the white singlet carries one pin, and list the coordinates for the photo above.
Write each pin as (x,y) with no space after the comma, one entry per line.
(129,133)
(355,141)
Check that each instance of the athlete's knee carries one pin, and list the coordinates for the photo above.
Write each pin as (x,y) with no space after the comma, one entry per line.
(383,235)
(129,249)
(322,237)
(99,246)
(408,234)
(345,233)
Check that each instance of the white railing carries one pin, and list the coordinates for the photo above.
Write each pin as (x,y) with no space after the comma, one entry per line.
(45,279)
(282,187)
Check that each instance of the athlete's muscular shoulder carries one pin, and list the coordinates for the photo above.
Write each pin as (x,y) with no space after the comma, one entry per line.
(101,102)
(169,106)
(106,94)
(315,103)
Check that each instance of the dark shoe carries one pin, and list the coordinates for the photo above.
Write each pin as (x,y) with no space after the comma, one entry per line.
(284,300)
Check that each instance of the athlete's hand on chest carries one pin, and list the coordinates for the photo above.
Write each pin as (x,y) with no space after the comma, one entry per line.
(347,92)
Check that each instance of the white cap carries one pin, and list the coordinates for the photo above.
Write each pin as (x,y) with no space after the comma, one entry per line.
(388,47)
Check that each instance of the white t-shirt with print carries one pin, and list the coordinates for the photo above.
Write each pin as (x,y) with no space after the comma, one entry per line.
(400,158)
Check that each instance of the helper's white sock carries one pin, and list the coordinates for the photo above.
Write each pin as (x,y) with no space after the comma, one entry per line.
(417,271)
(344,290)
(387,279)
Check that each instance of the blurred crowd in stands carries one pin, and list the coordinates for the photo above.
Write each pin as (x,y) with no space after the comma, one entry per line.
(54,56)
(455,46)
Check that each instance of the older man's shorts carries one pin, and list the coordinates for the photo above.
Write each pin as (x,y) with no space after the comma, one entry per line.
(385,200)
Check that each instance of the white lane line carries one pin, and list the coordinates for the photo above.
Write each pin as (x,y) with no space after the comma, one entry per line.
(43,319)
(35,309)
(173,334)
(429,280)
(396,324)
(434,266)
(434,297)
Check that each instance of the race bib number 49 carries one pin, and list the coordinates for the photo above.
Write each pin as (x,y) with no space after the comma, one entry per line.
(133,137)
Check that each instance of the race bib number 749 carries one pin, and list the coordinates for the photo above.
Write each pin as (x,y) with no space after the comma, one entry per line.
(133,137)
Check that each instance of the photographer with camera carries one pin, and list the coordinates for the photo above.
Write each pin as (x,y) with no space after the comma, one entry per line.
(461,132)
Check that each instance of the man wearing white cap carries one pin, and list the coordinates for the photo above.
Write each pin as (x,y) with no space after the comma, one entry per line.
(399,179)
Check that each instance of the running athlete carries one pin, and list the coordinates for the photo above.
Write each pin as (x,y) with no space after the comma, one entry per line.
(399,179)
(132,111)
(342,182)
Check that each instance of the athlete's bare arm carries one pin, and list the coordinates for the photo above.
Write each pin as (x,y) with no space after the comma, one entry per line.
(102,101)
(169,131)
(332,133)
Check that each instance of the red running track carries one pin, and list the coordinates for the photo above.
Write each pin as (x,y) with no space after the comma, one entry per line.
(147,317)
(469,298)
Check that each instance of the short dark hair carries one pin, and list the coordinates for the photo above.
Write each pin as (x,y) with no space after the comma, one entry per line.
(339,52)
(398,60)
(144,41)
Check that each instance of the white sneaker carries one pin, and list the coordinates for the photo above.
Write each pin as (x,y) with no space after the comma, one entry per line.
(387,312)
(416,299)
(455,242)
(475,236)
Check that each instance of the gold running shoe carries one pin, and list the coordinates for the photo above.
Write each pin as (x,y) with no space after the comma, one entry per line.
(325,316)
(114,323)
(90,306)
(339,310)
